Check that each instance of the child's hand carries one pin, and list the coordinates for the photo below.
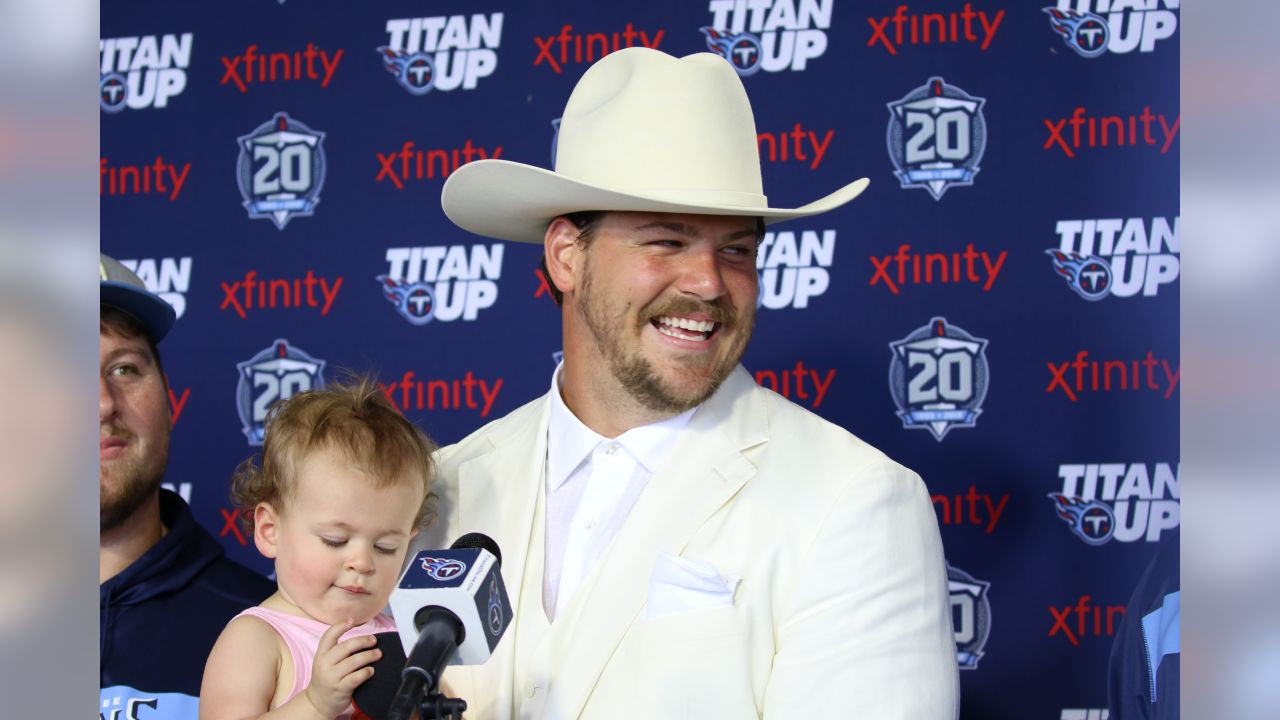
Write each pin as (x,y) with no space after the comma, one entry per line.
(339,668)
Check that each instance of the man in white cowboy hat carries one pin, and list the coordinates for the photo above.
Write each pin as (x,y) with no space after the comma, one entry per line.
(679,542)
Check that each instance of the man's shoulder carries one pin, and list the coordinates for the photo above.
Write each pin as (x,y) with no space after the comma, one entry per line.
(796,429)
(521,421)
(805,450)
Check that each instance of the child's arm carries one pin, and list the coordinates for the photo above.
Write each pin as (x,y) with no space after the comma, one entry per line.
(240,675)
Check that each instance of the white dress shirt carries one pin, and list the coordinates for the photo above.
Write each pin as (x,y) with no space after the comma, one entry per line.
(592,483)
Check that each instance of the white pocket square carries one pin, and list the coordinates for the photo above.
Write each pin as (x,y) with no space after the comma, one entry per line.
(679,585)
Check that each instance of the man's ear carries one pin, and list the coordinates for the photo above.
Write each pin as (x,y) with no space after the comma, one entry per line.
(266,528)
(563,254)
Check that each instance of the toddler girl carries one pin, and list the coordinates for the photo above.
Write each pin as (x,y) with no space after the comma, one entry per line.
(342,488)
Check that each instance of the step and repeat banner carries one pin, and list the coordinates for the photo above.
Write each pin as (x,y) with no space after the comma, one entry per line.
(999,311)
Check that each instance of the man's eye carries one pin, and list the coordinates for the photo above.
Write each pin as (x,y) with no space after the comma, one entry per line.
(333,542)
(124,370)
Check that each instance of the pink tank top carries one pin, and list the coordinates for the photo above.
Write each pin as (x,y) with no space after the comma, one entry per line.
(302,636)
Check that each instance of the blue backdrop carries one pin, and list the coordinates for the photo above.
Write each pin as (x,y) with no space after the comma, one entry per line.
(999,311)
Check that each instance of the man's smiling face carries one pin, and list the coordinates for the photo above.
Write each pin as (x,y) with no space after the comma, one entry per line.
(669,301)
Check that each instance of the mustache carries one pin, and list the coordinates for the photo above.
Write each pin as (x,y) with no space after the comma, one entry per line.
(724,315)
(115,431)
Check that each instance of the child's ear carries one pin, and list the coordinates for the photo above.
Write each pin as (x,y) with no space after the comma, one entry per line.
(266,525)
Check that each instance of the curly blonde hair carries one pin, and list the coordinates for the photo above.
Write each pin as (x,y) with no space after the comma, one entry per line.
(353,418)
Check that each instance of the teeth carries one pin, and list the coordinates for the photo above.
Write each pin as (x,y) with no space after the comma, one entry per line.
(684,328)
(677,333)
(701,326)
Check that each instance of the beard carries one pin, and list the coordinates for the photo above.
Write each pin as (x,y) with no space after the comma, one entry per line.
(637,375)
(133,481)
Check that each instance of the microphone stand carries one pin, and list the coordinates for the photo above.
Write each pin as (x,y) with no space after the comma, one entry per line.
(440,632)
(438,707)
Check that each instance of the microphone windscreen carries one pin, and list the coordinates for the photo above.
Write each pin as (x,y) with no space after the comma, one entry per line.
(478,541)
(372,698)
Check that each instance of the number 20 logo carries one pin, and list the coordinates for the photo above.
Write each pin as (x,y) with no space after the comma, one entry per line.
(938,377)
(276,373)
(944,137)
(943,377)
(281,170)
(285,168)
(936,137)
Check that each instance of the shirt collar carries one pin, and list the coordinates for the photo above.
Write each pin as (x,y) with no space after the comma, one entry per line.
(570,442)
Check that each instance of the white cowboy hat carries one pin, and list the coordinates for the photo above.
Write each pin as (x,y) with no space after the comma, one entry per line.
(642,131)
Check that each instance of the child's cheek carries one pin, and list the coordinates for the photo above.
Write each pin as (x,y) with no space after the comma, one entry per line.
(309,575)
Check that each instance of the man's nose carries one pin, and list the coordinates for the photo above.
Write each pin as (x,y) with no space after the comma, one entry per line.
(701,274)
(106,400)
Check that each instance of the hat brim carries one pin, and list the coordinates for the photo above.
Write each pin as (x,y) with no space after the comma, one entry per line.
(156,315)
(513,201)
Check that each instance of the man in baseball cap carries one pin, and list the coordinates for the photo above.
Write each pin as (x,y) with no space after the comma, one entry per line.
(165,588)
(678,541)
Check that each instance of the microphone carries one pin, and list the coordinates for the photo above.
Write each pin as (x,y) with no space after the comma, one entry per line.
(450,607)
(372,698)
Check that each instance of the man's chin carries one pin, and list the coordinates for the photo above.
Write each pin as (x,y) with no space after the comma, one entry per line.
(676,395)
(114,510)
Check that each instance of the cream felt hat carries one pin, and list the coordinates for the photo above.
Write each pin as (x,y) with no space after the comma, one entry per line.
(642,131)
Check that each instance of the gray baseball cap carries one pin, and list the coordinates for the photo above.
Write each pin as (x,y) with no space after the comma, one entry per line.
(121,288)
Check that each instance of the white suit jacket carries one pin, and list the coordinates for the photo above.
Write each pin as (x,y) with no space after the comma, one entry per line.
(842,609)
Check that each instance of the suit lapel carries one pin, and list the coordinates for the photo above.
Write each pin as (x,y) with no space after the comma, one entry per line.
(497,491)
(705,469)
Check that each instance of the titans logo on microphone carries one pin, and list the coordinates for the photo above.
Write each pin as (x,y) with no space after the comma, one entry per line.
(1091,521)
(970,616)
(937,135)
(495,615)
(276,373)
(938,377)
(443,569)
(281,170)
